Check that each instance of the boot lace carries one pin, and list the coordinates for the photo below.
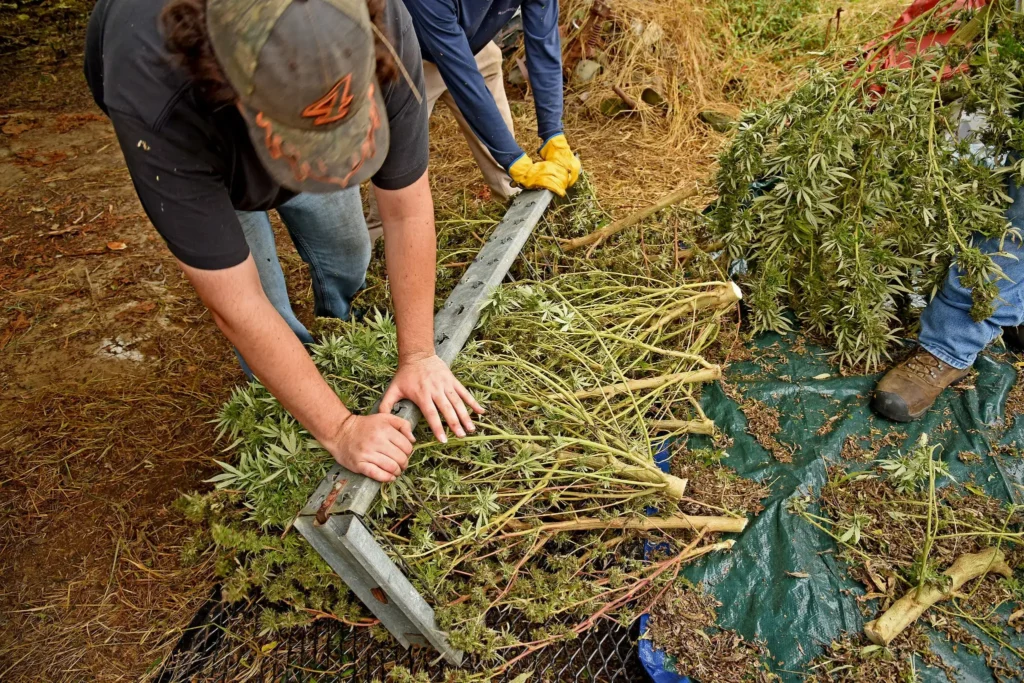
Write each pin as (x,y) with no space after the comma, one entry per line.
(924,365)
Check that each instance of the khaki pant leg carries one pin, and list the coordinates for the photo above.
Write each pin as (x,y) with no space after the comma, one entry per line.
(488,60)
(434,85)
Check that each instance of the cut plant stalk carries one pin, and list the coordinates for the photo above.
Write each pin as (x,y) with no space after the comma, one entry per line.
(711,374)
(726,295)
(706,427)
(730,525)
(911,606)
(674,487)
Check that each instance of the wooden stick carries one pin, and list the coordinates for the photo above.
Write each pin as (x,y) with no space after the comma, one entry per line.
(598,236)
(907,609)
(626,99)
(706,375)
(728,525)
(687,426)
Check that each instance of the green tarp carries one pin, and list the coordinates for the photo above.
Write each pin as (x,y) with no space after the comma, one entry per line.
(797,617)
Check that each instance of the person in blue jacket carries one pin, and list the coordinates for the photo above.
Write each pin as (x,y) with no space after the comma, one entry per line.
(462,65)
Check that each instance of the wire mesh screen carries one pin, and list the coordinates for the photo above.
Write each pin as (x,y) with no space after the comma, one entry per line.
(223,643)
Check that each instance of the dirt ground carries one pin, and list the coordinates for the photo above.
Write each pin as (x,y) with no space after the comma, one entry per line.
(109,372)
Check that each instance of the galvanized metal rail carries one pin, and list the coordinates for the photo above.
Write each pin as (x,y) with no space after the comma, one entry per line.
(331,520)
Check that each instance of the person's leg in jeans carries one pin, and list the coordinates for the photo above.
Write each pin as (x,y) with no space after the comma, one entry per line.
(950,340)
(330,235)
(260,238)
(947,330)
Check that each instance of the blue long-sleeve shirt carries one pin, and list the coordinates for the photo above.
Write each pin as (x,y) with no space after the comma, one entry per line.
(451,32)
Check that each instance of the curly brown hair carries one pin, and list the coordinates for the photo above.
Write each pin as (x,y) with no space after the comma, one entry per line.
(387,70)
(188,41)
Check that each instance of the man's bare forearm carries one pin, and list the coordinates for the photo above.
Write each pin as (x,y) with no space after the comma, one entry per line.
(278,359)
(422,377)
(410,252)
(271,349)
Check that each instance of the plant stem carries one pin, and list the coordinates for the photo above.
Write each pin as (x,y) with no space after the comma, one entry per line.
(729,525)
(697,376)
(686,426)
(907,609)
(595,238)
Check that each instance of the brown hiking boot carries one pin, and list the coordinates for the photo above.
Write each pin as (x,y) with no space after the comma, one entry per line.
(910,388)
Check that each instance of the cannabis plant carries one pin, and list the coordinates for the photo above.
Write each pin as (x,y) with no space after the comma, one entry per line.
(541,511)
(855,192)
(909,473)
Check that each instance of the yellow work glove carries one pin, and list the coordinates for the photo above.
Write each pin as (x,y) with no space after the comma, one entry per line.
(557,151)
(542,174)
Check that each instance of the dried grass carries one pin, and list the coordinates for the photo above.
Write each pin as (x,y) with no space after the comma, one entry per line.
(93,588)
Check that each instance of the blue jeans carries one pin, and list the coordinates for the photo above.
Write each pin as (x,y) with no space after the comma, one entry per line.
(947,330)
(330,234)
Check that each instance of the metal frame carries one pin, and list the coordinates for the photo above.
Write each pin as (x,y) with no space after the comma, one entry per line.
(331,520)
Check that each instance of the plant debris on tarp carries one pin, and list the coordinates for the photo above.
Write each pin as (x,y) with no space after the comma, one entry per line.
(763,425)
(896,532)
(715,484)
(792,585)
(683,626)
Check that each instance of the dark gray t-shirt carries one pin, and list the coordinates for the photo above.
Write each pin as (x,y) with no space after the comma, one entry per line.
(193,165)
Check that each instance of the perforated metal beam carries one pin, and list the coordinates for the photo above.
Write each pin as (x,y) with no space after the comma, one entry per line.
(330,520)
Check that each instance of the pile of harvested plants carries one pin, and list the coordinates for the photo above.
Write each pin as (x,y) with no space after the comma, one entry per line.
(929,551)
(855,191)
(541,512)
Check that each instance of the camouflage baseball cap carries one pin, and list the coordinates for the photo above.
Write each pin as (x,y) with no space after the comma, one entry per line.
(304,71)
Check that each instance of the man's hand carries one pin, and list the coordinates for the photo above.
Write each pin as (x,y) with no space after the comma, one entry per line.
(540,175)
(376,446)
(427,382)
(422,377)
(556,150)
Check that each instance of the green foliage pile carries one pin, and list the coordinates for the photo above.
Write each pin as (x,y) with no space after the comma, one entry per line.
(854,191)
(524,516)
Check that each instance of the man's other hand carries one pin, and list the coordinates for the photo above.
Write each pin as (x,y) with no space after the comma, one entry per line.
(430,384)
(376,446)
(556,150)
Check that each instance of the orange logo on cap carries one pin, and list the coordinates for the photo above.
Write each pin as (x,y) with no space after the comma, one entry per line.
(333,106)
(303,170)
